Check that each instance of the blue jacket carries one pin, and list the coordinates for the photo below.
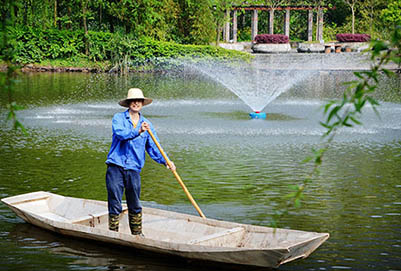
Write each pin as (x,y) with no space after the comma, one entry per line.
(128,146)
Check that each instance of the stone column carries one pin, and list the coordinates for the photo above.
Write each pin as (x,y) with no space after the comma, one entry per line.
(287,23)
(254,24)
(235,28)
(320,26)
(227,26)
(271,21)
(310,25)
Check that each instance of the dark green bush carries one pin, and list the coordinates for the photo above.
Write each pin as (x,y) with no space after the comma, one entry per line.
(32,45)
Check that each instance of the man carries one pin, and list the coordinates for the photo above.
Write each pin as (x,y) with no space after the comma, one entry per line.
(126,158)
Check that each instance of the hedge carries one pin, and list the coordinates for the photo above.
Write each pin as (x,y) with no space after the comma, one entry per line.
(30,45)
(271,38)
(353,37)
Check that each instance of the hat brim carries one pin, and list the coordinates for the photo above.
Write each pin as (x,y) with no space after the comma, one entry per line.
(126,102)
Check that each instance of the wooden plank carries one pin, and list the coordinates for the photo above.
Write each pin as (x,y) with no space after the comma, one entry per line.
(30,200)
(215,236)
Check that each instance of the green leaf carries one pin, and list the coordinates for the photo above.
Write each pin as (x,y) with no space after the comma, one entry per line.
(307,159)
(333,112)
(355,120)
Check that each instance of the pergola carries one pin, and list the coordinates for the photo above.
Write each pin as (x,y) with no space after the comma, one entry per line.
(254,22)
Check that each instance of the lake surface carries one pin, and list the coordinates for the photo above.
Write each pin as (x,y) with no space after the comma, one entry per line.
(237,169)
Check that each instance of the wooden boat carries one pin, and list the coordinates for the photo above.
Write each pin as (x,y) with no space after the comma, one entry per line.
(168,232)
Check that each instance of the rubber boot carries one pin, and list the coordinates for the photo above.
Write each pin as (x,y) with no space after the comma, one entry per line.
(135,223)
(114,222)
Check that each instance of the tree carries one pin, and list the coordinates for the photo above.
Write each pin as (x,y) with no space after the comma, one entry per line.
(392,14)
(319,18)
(370,11)
(151,18)
(351,4)
(195,22)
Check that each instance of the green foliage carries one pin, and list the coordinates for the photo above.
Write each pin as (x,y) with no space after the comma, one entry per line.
(32,45)
(347,112)
(7,79)
(392,14)
(196,22)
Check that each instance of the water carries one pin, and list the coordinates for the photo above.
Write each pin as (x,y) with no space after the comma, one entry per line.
(255,84)
(237,169)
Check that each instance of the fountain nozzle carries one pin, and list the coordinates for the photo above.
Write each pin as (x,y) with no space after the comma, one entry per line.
(257,115)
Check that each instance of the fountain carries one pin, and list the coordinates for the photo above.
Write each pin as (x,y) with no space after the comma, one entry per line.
(254,83)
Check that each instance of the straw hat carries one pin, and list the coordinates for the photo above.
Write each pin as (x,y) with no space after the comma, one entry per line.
(134,93)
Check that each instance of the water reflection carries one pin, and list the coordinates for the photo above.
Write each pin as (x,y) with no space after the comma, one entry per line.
(91,256)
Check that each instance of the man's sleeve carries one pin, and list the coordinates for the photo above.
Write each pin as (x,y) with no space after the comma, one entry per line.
(122,132)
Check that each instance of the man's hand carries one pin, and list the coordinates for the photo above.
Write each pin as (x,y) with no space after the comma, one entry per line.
(172,168)
(144,127)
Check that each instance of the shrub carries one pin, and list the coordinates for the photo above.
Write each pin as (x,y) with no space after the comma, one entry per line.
(353,37)
(271,38)
(30,45)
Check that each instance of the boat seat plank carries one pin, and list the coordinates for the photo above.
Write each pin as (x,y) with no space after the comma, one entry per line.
(90,216)
(214,236)
(53,216)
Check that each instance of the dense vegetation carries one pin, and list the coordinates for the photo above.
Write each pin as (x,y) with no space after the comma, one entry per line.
(36,45)
(134,31)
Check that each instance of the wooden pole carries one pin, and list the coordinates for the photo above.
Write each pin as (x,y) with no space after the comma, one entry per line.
(191,199)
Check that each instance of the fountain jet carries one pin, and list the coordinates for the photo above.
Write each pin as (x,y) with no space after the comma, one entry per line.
(255,83)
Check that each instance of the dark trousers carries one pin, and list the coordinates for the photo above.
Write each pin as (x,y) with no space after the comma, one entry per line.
(118,179)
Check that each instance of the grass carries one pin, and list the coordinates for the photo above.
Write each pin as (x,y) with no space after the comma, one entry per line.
(77,63)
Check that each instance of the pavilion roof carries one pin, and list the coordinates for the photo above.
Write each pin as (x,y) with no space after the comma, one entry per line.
(288,7)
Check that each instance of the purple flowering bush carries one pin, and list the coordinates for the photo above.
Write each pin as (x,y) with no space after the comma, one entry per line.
(353,37)
(271,38)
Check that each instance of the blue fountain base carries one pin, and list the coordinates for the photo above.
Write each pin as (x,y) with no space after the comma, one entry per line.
(257,115)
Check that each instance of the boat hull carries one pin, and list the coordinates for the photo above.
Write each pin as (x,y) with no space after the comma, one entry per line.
(168,232)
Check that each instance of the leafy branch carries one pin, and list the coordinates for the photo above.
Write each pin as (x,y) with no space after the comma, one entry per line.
(7,80)
(346,112)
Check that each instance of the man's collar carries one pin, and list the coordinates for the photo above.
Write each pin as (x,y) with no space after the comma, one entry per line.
(126,114)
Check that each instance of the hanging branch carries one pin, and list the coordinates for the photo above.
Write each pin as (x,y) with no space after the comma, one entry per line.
(7,80)
(346,113)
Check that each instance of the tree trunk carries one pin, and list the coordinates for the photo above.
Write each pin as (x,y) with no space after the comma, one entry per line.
(55,13)
(84,7)
(353,19)
(218,34)
(69,16)
(100,15)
